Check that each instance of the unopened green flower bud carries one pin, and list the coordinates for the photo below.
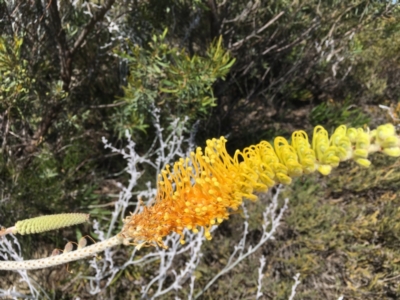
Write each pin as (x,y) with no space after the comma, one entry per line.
(47,223)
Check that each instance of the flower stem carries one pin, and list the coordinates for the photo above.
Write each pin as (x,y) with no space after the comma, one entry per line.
(64,258)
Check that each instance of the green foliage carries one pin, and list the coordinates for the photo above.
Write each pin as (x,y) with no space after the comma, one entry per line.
(46,161)
(15,85)
(14,80)
(294,54)
(169,78)
(374,54)
(52,183)
(334,114)
(285,63)
(344,226)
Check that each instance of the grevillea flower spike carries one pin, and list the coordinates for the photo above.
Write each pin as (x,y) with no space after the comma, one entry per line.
(203,189)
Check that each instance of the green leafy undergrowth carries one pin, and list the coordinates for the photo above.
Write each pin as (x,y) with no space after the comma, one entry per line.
(167,77)
(336,113)
(342,234)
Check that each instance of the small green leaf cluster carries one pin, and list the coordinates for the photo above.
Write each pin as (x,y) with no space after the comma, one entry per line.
(14,79)
(167,77)
(334,113)
(374,54)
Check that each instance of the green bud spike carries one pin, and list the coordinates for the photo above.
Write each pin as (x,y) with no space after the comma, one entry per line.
(47,223)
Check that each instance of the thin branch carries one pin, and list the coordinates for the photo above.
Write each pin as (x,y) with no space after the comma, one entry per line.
(89,26)
(65,55)
(108,105)
(6,130)
(298,40)
(254,33)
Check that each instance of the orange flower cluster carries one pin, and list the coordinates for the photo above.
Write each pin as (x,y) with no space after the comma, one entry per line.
(202,190)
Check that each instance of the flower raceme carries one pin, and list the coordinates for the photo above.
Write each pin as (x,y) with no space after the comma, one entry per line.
(203,189)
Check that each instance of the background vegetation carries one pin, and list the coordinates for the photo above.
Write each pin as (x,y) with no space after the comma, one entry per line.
(72,72)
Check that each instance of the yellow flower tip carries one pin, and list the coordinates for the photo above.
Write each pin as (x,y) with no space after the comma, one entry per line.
(332,158)
(140,246)
(363,162)
(283,178)
(325,169)
(296,171)
(352,134)
(344,153)
(385,131)
(309,169)
(394,152)
(390,142)
(182,241)
(362,140)
(260,187)
(248,196)
(269,182)
(360,153)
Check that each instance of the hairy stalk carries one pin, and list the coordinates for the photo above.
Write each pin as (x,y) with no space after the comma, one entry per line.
(64,258)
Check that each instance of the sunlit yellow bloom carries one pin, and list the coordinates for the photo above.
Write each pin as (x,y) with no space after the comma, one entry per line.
(341,141)
(304,152)
(387,139)
(203,189)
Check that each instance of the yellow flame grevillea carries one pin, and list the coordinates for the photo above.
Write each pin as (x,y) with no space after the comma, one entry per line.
(203,189)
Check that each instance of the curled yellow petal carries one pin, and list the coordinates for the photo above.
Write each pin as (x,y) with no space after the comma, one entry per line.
(363,162)
(394,152)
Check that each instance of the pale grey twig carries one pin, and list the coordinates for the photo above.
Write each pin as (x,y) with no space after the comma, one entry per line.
(271,221)
(260,276)
(294,286)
